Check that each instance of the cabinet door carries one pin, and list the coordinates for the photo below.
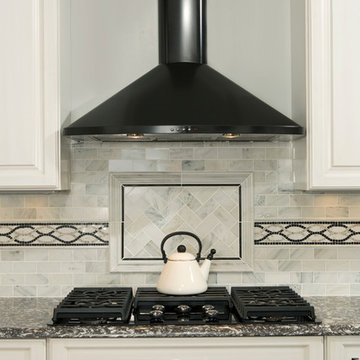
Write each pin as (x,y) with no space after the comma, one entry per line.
(343,347)
(271,348)
(30,112)
(333,93)
(22,350)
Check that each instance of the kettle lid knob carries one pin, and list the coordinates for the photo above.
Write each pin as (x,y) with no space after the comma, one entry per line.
(181,248)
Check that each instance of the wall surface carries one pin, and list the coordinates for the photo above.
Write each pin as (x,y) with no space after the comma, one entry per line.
(113,43)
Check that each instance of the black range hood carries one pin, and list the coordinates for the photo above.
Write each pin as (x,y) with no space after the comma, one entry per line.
(183,98)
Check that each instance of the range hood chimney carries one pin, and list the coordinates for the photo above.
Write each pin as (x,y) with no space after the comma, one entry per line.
(183,99)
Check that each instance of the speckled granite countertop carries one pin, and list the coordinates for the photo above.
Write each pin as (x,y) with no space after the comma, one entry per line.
(29,318)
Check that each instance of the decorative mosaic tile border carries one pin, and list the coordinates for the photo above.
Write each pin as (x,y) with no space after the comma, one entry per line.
(54,234)
(307,233)
(97,234)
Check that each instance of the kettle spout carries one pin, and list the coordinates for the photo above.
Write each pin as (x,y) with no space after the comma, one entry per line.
(205,267)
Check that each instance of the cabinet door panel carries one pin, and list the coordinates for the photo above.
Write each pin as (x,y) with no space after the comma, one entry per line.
(343,347)
(30,111)
(333,92)
(22,349)
(188,349)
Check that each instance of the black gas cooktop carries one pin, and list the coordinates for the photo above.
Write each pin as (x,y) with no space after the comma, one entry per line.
(113,306)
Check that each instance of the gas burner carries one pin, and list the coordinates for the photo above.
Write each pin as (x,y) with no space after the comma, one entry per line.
(211,307)
(94,306)
(278,304)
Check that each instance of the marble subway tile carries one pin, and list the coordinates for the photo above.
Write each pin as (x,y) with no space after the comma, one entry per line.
(290,265)
(50,214)
(6,267)
(272,253)
(36,201)
(301,200)
(313,212)
(325,254)
(96,165)
(306,253)
(36,279)
(85,254)
(21,267)
(326,200)
(6,291)
(337,265)
(216,165)
(36,254)
(157,154)
(120,165)
(12,255)
(168,165)
(144,165)
(48,267)
(24,291)
(254,278)
(278,278)
(253,153)
(84,279)
(84,153)
(84,201)
(181,154)
(349,253)
(329,277)
(265,165)
(12,201)
(24,214)
(278,153)
(12,279)
(230,153)
(337,212)
(193,165)
(73,267)
(337,290)
(289,212)
(61,254)
(207,153)
(228,278)
(313,265)
(96,189)
(277,200)
(133,154)
(313,289)
(49,291)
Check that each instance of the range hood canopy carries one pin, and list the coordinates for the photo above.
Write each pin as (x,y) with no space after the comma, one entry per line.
(183,98)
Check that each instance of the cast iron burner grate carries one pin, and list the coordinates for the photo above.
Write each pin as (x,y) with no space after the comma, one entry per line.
(279,304)
(94,306)
(211,307)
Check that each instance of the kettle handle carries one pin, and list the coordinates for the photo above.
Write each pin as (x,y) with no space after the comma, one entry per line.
(164,257)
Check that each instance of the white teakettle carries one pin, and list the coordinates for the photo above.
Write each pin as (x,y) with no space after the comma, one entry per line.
(182,274)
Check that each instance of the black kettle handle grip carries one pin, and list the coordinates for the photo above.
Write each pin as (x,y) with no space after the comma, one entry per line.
(164,257)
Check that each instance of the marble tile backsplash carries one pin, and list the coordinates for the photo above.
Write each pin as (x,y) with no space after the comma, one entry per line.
(54,271)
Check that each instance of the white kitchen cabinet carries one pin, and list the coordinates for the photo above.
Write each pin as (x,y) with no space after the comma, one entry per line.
(34,64)
(343,347)
(22,350)
(269,348)
(333,93)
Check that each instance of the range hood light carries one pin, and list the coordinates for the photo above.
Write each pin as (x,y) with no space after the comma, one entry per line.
(231,136)
(135,136)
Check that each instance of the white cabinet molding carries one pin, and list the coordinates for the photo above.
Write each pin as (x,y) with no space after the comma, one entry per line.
(31,114)
(333,89)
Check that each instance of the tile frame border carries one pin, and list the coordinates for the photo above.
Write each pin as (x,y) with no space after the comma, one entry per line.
(117,180)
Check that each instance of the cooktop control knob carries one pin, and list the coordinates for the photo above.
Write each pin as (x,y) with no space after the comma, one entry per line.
(212,315)
(158,307)
(157,315)
(183,309)
(207,307)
